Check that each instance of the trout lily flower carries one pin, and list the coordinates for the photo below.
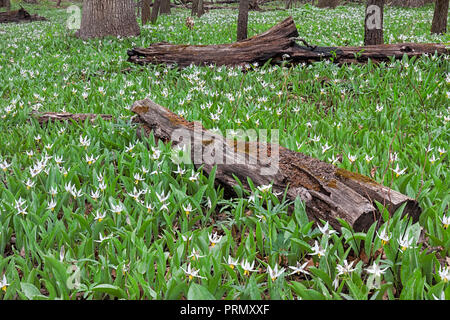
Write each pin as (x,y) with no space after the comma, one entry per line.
(214,239)
(135,194)
(195,255)
(326,231)
(299,268)
(191,273)
(385,237)
(247,267)
(149,207)
(325,147)
(352,158)
(265,188)
(4,284)
(397,171)
(29,184)
(137,177)
(51,206)
(194,177)
(345,269)
(444,273)
(405,243)
(101,238)
(4,165)
(232,263)
(100,216)
(317,250)
(375,275)
(95,194)
(90,159)
(376,270)
(445,221)
(179,171)
(274,273)
(117,209)
(188,209)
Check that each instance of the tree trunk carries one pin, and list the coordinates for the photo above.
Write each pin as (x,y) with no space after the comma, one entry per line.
(194,7)
(145,11)
(373,23)
(102,18)
(439,25)
(6,4)
(278,45)
(165,7)
(328,3)
(409,3)
(155,11)
(242,22)
(201,8)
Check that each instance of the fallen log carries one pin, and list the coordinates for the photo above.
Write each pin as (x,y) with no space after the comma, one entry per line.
(278,44)
(19,16)
(66,116)
(329,192)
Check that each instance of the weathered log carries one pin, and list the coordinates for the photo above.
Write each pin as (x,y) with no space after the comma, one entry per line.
(329,192)
(19,16)
(66,116)
(278,44)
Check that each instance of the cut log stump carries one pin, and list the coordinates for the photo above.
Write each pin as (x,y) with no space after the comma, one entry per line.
(278,44)
(329,193)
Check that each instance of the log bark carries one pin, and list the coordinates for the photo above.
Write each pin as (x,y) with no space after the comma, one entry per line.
(46,117)
(278,44)
(329,192)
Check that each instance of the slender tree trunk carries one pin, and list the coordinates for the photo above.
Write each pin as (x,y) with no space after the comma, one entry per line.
(165,7)
(108,18)
(242,22)
(439,25)
(194,7)
(200,9)
(373,23)
(145,11)
(155,11)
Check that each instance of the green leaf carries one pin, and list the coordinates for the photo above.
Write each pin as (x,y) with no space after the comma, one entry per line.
(198,292)
(31,292)
(110,289)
